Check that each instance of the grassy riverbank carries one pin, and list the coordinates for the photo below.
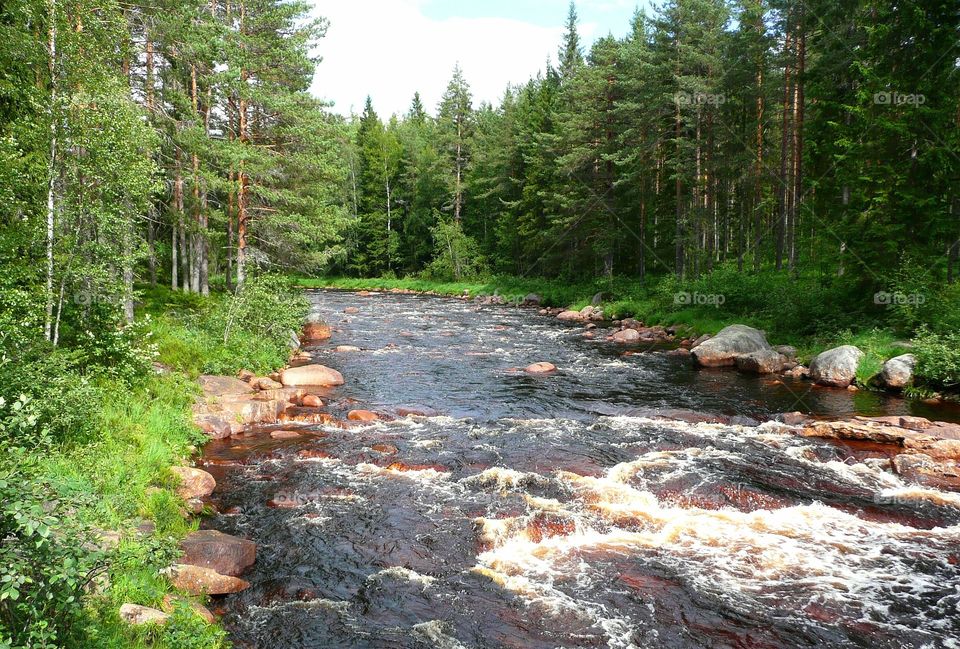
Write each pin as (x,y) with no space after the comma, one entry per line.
(812,313)
(89,438)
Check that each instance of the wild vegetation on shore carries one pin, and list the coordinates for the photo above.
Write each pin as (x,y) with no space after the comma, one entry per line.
(89,514)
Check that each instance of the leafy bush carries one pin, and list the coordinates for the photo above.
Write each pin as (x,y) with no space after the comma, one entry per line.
(45,560)
(46,399)
(456,255)
(938,358)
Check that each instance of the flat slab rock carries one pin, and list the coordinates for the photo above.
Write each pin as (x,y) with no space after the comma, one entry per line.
(223,385)
(226,554)
(939,440)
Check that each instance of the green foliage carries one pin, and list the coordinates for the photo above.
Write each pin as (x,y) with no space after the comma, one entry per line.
(938,358)
(457,256)
(45,560)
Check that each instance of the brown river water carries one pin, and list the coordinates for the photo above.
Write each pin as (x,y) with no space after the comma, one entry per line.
(556,511)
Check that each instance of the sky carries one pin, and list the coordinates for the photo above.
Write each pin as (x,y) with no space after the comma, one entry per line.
(391,48)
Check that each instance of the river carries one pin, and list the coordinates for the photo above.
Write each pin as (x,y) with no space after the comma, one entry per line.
(555,511)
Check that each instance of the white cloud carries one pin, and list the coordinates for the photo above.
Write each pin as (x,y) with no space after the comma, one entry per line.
(389,49)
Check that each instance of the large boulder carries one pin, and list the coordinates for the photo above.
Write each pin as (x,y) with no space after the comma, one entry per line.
(195,580)
(570,316)
(194,483)
(626,336)
(315,374)
(214,426)
(897,373)
(928,471)
(228,555)
(765,361)
(836,367)
(729,344)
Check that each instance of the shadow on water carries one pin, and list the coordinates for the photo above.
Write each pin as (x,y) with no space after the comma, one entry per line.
(550,511)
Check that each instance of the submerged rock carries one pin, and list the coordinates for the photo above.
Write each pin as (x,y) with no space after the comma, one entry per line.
(540,368)
(836,367)
(729,344)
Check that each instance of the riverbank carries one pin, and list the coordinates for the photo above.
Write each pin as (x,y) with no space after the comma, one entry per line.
(89,492)
(808,315)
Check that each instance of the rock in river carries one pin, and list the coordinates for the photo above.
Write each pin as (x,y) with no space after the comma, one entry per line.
(362,416)
(311,375)
(765,361)
(228,555)
(729,344)
(540,368)
(836,367)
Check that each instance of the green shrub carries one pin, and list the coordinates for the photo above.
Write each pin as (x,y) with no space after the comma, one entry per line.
(46,560)
(938,358)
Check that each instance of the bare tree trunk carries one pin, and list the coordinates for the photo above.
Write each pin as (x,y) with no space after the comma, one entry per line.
(798,110)
(784,193)
(151,225)
(52,166)
(243,181)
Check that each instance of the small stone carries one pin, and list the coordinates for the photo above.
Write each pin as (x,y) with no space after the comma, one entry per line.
(365,416)
(540,368)
(311,401)
(285,434)
(139,615)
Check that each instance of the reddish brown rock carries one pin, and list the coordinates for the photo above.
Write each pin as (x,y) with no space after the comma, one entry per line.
(343,349)
(928,471)
(540,368)
(362,416)
(196,580)
(570,316)
(246,376)
(315,331)
(625,336)
(194,483)
(311,401)
(214,426)
(265,383)
(351,310)
(387,449)
(285,434)
(228,555)
(319,375)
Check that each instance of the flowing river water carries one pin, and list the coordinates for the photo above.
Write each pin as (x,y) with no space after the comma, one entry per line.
(558,511)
